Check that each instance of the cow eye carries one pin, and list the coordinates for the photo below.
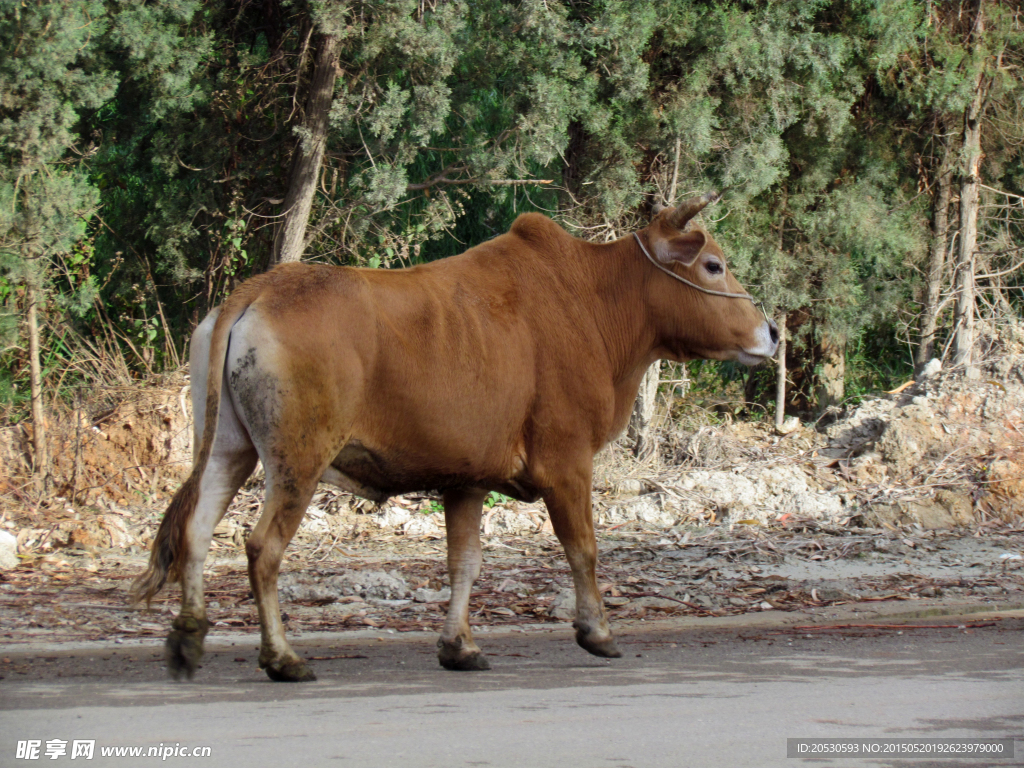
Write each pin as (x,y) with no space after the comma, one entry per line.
(713,267)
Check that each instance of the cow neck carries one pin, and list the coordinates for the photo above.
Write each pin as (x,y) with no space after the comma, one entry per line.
(637,263)
(629,334)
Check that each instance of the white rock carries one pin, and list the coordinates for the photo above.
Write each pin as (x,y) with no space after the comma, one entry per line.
(393,517)
(932,367)
(366,584)
(507,522)
(564,605)
(647,509)
(421,525)
(424,595)
(8,551)
(792,424)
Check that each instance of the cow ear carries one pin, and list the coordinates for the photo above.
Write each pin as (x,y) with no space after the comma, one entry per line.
(682,249)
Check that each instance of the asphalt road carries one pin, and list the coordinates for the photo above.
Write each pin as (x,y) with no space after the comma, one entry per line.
(684,694)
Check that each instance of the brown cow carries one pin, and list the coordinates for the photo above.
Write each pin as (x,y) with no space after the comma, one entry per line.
(505,368)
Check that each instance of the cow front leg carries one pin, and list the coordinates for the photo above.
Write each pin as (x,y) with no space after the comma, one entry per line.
(568,505)
(225,472)
(283,509)
(462,511)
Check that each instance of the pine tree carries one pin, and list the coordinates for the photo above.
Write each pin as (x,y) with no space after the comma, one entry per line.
(45,197)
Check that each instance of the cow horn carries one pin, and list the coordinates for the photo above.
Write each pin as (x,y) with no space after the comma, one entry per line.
(690,208)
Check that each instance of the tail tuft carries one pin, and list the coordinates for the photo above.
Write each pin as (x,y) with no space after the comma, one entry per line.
(170,547)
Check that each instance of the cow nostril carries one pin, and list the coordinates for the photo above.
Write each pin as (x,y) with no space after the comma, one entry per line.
(773,331)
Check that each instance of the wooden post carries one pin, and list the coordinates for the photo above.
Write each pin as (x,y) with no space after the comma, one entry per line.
(40,458)
(780,378)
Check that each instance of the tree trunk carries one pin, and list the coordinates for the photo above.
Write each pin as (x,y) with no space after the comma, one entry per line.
(642,418)
(41,458)
(832,383)
(309,153)
(936,263)
(963,273)
(780,377)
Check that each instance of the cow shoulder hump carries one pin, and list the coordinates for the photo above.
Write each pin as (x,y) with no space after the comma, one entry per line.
(534,227)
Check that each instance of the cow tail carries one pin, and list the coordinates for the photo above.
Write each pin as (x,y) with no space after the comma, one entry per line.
(170,550)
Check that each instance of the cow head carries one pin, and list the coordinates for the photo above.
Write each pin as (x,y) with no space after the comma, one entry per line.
(695,321)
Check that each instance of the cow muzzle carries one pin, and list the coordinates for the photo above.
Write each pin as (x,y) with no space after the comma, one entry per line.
(766,344)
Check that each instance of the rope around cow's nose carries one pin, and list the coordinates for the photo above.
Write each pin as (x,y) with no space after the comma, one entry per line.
(670,273)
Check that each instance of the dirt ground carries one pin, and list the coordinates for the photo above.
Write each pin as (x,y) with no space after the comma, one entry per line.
(396,582)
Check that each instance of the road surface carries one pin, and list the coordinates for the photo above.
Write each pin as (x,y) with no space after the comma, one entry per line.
(684,694)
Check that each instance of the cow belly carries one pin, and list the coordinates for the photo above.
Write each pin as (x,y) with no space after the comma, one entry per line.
(369,474)
(350,484)
(360,471)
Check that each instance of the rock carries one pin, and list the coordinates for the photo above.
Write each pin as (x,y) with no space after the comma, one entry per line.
(931,368)
(393,516)
(628,486)
(422,525)
(678,591)
(646,509)
(764,493)
(656,604)
(8,551)
(1006,488)
(859,429)
(563,606)
(376,585)
(911,436)
(957,504)
(508,522)
(511,586)
(947,509)
(868,468)
(424,595)
(792,424)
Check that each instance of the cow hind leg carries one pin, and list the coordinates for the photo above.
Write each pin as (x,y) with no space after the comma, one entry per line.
(285,505)
(569,507)
(224,474)
(462,512)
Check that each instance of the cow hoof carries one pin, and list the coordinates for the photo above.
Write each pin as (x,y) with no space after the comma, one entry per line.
(461,655)
(472,662)
(290,672)
(604,647)
(184,647)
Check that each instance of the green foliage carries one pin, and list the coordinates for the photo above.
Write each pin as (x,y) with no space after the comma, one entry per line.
(145,148)
(494,498)
(874,364)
